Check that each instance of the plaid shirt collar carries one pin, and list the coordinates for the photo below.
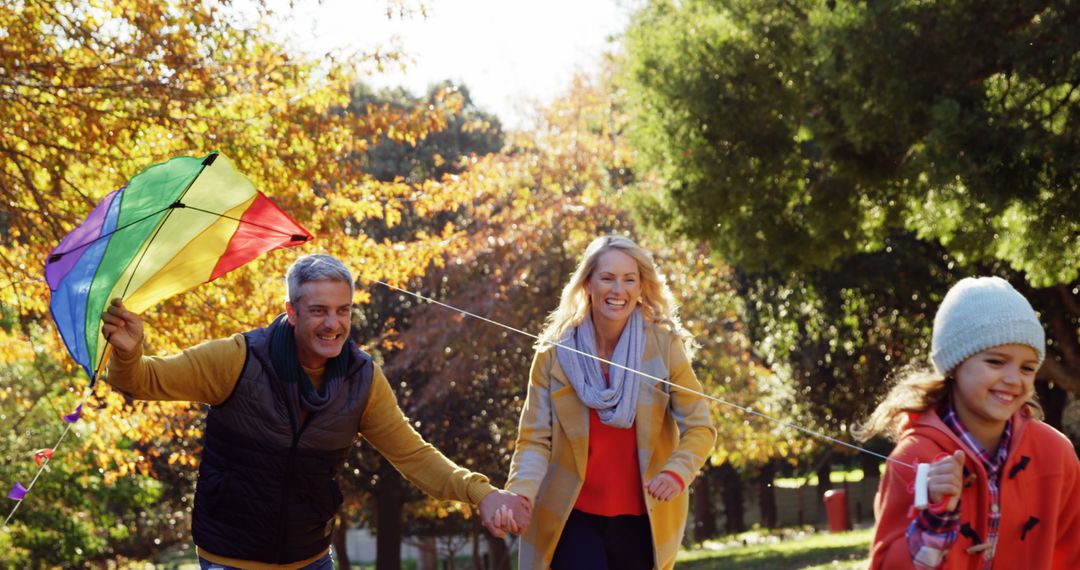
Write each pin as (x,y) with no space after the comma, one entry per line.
(993,462)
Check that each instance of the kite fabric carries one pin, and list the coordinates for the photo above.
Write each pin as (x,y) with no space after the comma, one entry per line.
(174,226)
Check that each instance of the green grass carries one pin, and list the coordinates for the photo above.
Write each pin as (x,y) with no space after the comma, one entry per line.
(853,476)
(181,557)
(185,559)
(788,549)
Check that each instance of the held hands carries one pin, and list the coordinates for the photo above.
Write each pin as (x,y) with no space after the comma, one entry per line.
(122,328)
(663,487)
(946,478)
(503,511)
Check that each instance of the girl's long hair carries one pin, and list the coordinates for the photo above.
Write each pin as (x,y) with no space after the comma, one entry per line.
(657,303)
(916,390)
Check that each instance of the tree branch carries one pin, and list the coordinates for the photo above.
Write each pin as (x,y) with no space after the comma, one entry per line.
(1066,297)
(1061,375)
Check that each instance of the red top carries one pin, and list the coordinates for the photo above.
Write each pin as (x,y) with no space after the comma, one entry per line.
(612,479)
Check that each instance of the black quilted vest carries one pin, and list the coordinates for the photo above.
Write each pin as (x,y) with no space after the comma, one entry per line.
(267,487)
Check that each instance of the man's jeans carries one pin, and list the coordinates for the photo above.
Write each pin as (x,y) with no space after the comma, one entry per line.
(324,563)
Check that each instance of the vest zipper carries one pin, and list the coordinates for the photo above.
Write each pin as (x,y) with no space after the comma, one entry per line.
(283,525)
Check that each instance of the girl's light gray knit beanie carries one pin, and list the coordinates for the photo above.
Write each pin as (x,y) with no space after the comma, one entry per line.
(979,313)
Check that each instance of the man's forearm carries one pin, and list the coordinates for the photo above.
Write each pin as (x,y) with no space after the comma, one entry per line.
(205,373)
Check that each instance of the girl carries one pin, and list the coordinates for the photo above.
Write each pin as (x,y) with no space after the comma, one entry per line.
(1005,487)
(606,455)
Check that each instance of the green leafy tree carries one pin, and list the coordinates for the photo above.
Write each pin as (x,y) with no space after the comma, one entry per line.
(800,135)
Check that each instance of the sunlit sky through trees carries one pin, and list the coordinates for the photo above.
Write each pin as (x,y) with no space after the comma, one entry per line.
(510,53)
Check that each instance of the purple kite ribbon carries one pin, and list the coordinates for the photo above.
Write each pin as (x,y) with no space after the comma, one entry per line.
(74,416)
(17,492)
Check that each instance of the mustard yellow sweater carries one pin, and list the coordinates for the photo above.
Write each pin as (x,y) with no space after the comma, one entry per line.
(208,373)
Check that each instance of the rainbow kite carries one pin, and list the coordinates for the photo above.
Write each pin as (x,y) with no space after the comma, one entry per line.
(174,226)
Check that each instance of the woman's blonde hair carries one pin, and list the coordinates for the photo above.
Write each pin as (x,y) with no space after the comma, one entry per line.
(916,391)
(657,303)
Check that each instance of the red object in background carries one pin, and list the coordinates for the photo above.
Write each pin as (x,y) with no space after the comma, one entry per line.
(836,510)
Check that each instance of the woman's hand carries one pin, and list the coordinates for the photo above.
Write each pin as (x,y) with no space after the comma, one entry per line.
(945,478)
(503,511)
(664,487)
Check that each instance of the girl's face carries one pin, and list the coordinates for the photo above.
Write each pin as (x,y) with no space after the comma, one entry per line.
(992,385)
(614,287)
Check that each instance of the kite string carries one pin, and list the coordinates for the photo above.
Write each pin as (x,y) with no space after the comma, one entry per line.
(45,463)
(263,227)
(76,416)
(651,377)
(105,235)
(89,390)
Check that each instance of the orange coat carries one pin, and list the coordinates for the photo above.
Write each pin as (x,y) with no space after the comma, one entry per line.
(1041,480)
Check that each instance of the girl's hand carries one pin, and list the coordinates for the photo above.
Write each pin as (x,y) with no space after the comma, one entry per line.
(946,479)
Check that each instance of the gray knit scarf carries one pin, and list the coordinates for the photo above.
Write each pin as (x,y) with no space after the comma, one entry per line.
(616,405)
(288,370)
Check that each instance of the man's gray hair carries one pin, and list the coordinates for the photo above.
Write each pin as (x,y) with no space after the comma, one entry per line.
(315,267)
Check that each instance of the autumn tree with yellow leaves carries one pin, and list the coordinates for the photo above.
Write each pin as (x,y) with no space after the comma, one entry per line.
(94,92)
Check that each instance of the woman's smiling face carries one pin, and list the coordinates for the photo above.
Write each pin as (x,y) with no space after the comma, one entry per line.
(614,287)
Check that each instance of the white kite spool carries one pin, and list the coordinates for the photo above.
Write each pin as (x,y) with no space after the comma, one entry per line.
(922,491)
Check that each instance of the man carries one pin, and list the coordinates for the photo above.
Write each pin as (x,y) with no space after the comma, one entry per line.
(287,403)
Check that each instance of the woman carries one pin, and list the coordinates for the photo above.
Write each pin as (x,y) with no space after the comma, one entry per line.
(604,455)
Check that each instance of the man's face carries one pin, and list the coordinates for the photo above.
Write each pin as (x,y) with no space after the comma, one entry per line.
(321,318)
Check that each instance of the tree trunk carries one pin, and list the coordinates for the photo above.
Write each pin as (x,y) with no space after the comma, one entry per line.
(341,549)
(1060,310)
(474,533)
(733,499)
(499,553)
(429,554)
(767,495)
(871,467)
(388,508)
(824,471)
(800,505)
(704,517)
(1053,400)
